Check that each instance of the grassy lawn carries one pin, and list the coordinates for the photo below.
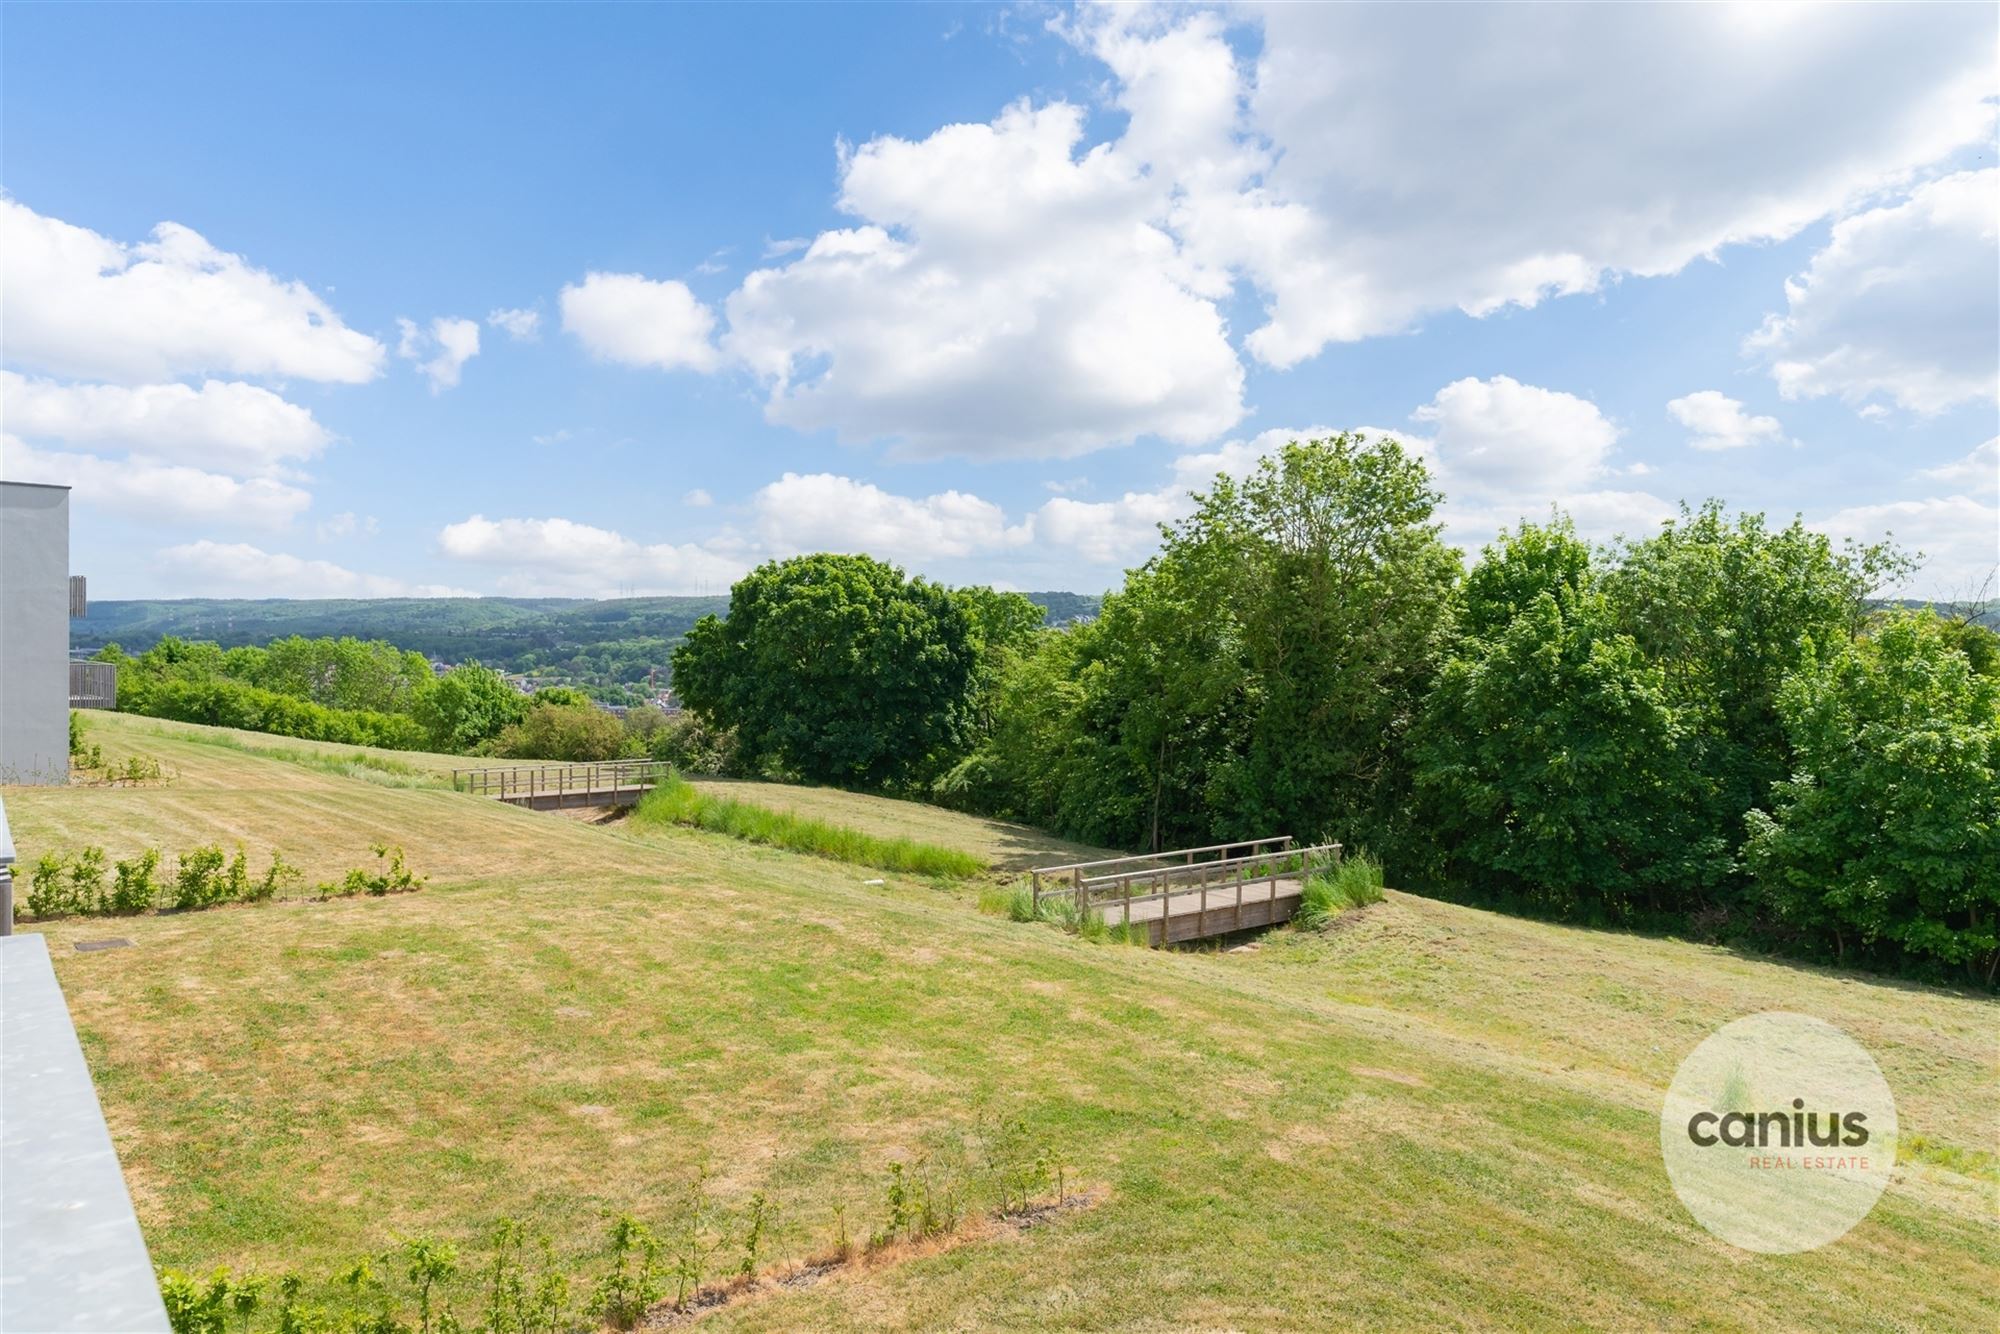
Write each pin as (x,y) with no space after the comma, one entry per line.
(1426,1114)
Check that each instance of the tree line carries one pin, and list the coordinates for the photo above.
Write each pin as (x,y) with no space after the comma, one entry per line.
(1706,729)
(371,693)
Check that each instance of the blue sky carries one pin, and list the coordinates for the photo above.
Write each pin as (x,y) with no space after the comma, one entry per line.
(979,290)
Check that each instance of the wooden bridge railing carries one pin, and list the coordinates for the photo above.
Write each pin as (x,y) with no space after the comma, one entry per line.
(1128,884)
(1071,874)
(514,782)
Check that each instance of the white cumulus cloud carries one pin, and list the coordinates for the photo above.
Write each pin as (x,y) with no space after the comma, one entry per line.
(1058,321)
(220,423)
(1716,421)
(560,556)
(80,304)
(441,349)
(1396,190)
(1977,473)
(824,512)
(1958,537)
(636,321)
(520,325)
(154,491)
(1903,302)
(236,569)
(1499,435)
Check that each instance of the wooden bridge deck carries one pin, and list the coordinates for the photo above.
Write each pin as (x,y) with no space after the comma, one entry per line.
(1190,893)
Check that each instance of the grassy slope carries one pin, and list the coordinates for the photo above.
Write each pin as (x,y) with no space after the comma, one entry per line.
(1430,1114)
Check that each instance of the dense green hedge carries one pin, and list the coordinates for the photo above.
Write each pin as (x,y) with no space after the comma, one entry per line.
(224,703)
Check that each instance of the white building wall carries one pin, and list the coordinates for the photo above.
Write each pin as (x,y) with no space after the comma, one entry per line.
(34,633)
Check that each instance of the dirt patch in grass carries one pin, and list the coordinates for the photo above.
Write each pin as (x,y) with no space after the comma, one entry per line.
(799,1275)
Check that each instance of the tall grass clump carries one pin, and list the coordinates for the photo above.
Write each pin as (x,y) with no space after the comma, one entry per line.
(1017,903)
(1354,882)
(680,802)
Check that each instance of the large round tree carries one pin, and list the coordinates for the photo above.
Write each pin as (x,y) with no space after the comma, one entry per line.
(837,667)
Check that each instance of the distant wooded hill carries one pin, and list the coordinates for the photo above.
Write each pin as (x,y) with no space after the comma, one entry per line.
(517,634)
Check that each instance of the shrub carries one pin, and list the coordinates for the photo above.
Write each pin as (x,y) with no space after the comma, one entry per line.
(196,1306)
(1886,839)
(199,878)
(137,883)
(82,754)
(73,886)
(695,746)
(557,731)
(395,878)
(64,886)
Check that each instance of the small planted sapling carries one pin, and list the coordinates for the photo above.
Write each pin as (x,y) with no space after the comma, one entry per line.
(427,1264)
(755,1222)
(631,1286)
(695,1238)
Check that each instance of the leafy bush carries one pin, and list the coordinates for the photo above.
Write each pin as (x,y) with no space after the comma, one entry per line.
(559,731)
(73,885)
(1886,839)
(693,745)
(1551,765)
(219,702)
(85,755)
(680,802)
(137,885)
(394,878)
(632,1284)
(67,886)
(199,878)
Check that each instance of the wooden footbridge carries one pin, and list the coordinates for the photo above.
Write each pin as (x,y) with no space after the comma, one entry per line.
(1190,893)
(554,787)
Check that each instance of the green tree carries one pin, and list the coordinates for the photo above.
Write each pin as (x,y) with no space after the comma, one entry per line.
(1728,610)
(562,732)
(467,707)
(1887,835)
(1259,675)
(1552,767)
(343,673)
(837,667)
(1327,574)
